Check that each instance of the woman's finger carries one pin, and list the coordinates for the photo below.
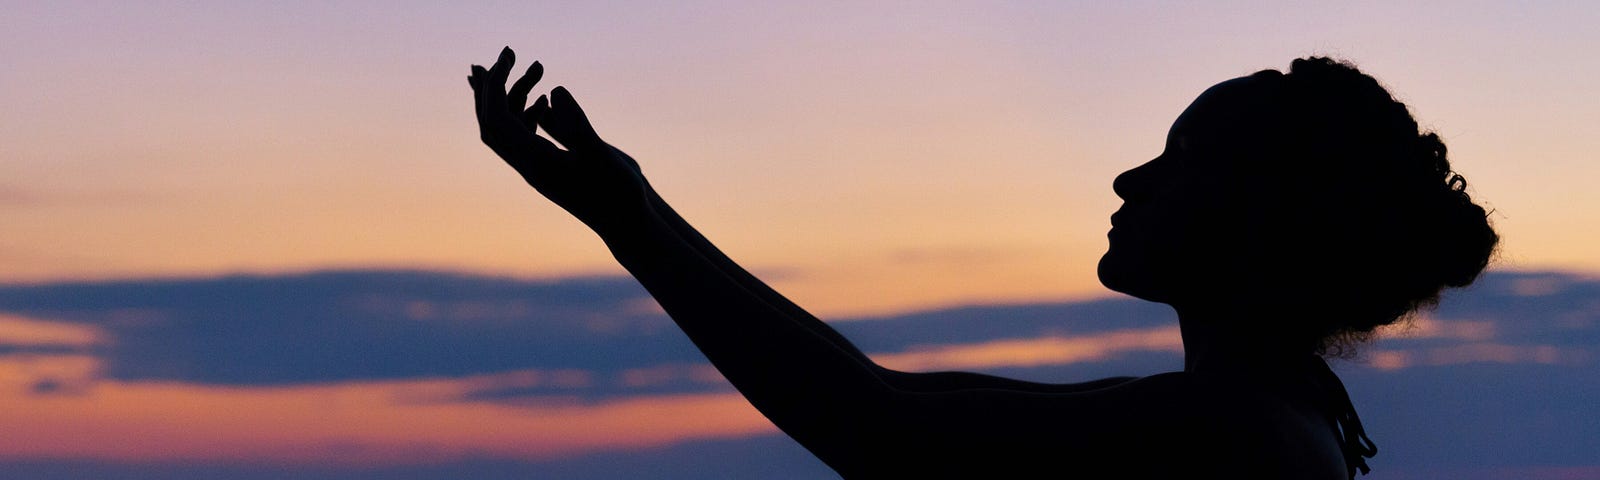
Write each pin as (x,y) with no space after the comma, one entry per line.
(478,74)
(492,89)
(517,98)
(535,113)
(502,68)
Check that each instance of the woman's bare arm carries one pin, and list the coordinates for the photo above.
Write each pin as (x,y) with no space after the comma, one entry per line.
(907,381)
(573,129)
(813,388)
(800,373)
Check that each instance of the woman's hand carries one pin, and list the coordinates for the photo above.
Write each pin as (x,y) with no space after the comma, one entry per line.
(594,182)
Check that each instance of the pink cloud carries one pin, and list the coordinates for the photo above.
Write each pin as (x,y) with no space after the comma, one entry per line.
(19,330)
(1482,352)
(1053,350)
(360,423)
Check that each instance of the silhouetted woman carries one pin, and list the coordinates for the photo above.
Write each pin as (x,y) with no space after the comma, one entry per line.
(1290,214)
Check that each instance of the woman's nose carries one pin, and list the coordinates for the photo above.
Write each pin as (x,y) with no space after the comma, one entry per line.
(1132,184)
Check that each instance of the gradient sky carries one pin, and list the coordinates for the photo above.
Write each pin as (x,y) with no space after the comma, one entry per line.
(867,158)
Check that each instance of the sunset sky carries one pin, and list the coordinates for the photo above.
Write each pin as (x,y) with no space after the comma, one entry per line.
(869,159)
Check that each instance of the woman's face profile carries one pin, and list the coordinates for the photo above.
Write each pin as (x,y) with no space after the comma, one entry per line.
(1180,208)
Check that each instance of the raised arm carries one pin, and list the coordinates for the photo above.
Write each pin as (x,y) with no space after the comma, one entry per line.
(567,123)
(795,369)
(806,383)
(905,381)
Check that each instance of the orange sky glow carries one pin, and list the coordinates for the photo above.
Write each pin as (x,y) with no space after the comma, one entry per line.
(846,150)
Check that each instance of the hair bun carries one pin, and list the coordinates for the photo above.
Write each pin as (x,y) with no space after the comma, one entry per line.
(1467,241)
(1416,228)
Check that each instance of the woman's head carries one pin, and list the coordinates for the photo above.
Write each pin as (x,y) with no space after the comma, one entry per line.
(1310,198)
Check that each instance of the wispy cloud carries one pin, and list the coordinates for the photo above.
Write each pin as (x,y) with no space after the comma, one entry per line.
(335,326)
(22,331)
(1033,352)
(376,325)
(1387,359)
(349,423)
(1428,327)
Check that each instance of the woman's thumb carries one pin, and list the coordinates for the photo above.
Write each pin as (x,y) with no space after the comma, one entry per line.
(567,124)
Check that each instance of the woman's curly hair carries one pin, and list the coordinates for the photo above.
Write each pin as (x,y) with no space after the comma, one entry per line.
(1371,202)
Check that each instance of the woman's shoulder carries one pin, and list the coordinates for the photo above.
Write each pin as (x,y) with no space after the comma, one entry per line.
(1272,428)
(1157,412)
(1160,426)
(1240,427)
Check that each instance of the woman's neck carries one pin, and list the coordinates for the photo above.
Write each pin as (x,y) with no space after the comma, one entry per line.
(1236,341)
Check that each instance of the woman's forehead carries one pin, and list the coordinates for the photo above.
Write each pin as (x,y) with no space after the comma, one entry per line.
(1233,104)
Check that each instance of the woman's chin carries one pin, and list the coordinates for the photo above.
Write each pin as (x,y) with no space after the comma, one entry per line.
(1121,276)
(1114,274)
